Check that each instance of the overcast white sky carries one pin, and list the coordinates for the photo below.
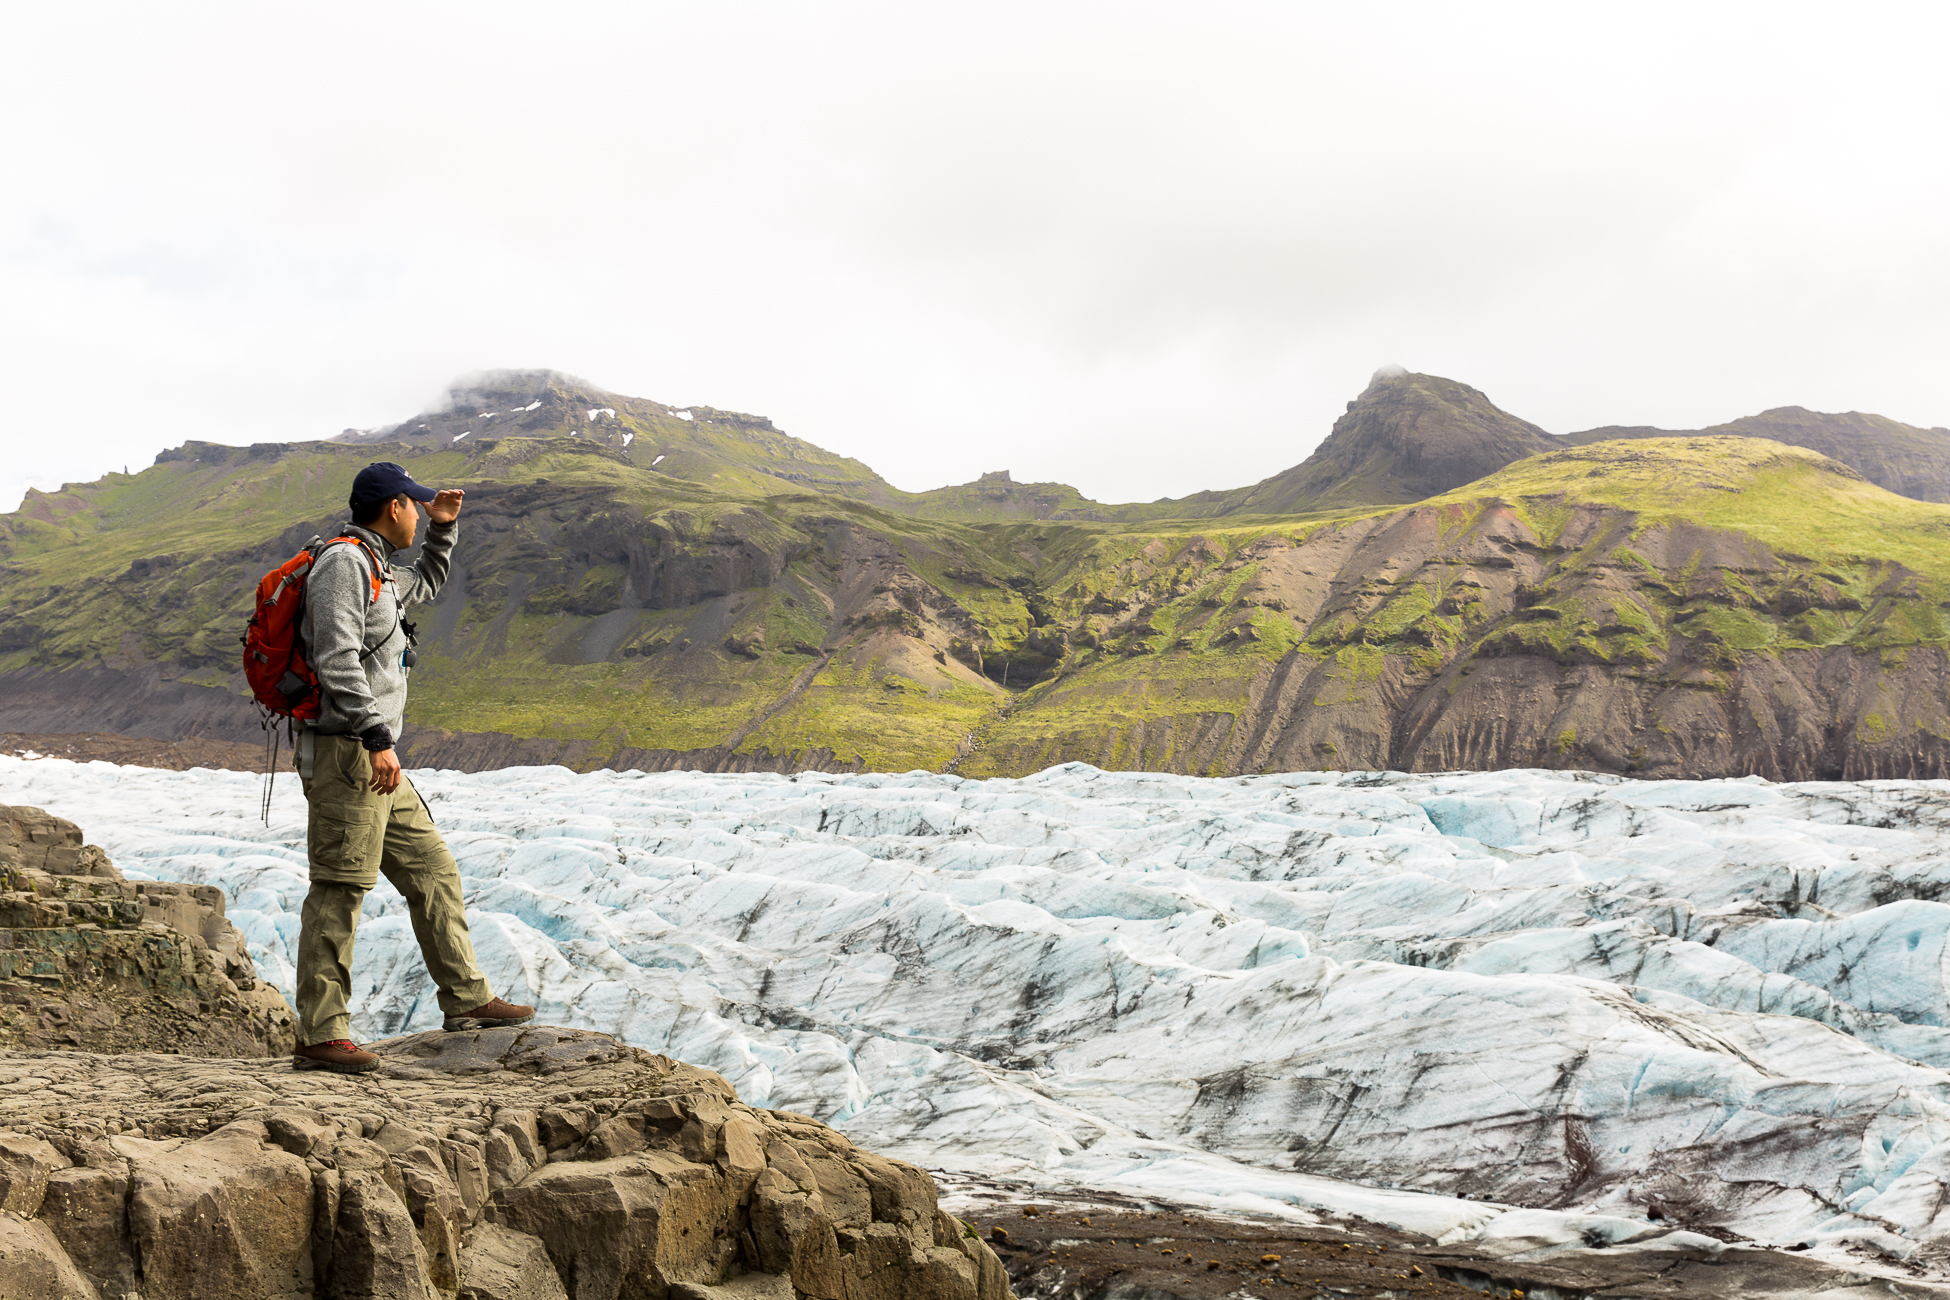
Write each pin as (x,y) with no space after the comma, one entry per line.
(1141,248)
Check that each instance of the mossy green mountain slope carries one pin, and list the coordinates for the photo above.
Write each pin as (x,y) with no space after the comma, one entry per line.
(1908,460)
(591,599)
(1692,606)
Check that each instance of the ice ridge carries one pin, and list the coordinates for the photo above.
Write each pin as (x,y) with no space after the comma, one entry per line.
(1716,1003)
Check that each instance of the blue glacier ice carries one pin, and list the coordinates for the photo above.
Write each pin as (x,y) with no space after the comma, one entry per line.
(1618,1003)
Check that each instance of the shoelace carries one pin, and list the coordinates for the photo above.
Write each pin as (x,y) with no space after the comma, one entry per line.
(344,1044)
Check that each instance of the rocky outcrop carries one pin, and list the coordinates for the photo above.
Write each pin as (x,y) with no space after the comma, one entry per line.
(508,1164)
(91,961)
(32,840)
(1406,437)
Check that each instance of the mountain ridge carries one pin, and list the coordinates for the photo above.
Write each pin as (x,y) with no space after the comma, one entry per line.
(604,612)
(1906,459)
(1405,437)
(698,442)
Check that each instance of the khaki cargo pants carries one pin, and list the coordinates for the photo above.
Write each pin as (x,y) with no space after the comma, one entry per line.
(354,835)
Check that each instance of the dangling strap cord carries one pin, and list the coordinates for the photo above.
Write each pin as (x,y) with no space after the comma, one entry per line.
(271,739)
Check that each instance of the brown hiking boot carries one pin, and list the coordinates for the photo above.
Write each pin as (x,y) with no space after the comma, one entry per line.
(340,1056)
(495,1015)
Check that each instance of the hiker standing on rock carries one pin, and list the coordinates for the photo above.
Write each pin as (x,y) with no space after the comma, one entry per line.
(365,816)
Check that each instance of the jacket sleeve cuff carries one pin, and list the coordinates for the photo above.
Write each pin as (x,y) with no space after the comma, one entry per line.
(376,738)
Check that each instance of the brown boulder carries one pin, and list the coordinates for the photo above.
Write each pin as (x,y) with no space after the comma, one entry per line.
(88,1211)
(40,841)
(794,1236)
(376,1250)
(25,1164)
(502,1264)
(509,1164)
(34,1265)
(626,1226)
(226,1215)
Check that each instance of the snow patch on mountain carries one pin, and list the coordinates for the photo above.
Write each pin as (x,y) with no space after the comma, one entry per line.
(1636,1005)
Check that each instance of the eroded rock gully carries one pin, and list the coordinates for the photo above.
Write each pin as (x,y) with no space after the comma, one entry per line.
(506,1164)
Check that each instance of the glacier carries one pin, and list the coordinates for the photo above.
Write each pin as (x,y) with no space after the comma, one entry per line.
(1521,1007)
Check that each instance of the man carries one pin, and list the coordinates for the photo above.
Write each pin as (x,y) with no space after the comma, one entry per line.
(365,816)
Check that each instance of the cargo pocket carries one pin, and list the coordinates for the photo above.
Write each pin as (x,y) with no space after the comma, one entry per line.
(344,841)
(353,763)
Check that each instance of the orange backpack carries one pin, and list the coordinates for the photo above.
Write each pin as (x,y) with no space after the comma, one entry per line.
(274,653)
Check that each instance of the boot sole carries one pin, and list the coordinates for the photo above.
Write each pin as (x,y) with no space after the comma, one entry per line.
(332,1067)
(454,1024)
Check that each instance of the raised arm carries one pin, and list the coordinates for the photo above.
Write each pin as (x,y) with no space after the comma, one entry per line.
(423,579)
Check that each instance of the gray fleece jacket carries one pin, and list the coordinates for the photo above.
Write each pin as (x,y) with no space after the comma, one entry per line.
(342,621)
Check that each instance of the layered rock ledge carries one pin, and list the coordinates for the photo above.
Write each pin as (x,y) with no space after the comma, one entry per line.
(89,960)
(507,1164)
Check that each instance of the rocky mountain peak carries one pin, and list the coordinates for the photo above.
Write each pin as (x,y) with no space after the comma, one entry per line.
(516,403)
(489,390)
(1406,437)
(1437,433)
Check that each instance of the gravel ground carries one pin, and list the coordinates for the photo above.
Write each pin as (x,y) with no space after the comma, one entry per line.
(173,756)
(1097,1249)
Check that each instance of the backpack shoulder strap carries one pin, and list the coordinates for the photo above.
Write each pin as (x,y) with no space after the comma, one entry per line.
(318,548)
(372,561)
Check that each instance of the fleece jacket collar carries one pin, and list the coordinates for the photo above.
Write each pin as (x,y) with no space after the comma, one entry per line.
(384,549)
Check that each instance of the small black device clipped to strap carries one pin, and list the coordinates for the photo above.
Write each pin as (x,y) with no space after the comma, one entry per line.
(409,656)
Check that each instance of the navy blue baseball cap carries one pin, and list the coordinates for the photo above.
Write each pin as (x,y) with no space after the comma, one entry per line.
(382,481)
